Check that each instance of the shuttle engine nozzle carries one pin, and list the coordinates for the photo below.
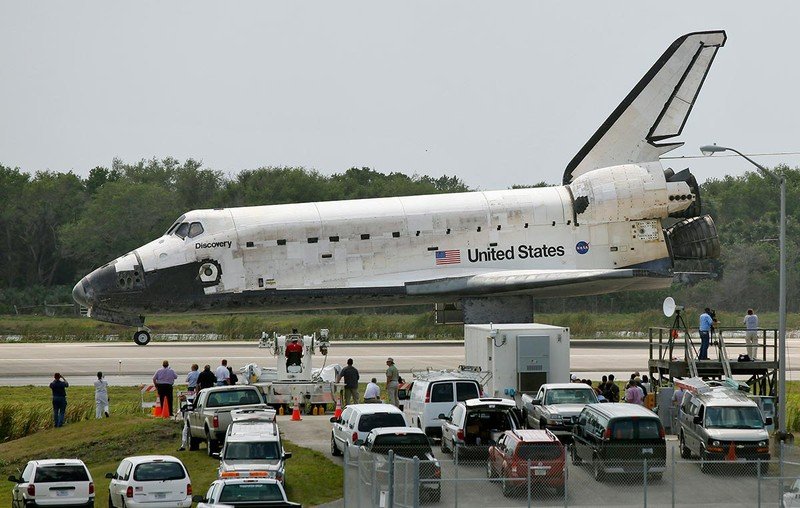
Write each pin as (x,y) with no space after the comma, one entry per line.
(694,238)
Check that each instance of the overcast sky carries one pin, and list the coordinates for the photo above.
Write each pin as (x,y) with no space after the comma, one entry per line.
(498,93)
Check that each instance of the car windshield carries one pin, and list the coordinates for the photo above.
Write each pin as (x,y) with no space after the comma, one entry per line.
(377,420)
(737,417)
(244,492)
(233,398)
(158,471)
(532,451)
(570,396)
(405,445)
(62,473)
(257,451)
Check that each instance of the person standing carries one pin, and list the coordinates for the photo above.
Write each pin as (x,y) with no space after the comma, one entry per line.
(164,378)
(233,378)
(392,382)
(350,376)
(677,399)
(634,394)
(191,377)
(706,322)
(373,392)
(100,396)
(59,387)
(206,379)
(612,390)
(603,386)
(223,374)
(751,333)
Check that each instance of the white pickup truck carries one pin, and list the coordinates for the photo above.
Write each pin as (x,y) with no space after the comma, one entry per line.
(211,414)
(556,407)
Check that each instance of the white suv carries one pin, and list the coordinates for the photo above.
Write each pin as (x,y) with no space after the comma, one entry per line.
(150,481)
(358,419)
(54,482)
(253,446)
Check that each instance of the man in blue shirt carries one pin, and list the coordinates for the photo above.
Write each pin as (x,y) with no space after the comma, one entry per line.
(706,322)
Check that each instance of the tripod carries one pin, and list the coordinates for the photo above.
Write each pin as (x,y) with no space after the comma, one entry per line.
(690,354)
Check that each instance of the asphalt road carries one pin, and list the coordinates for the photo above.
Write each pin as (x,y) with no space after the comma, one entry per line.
(128,364)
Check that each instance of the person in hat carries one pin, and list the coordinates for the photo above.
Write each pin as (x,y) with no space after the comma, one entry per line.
(392,382)
(294,352)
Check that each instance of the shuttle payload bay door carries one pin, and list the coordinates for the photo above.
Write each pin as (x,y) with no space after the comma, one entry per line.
(533,362)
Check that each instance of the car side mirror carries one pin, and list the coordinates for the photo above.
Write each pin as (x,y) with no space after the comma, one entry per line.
(14,479)
(768,420)
(358,442)
(110,476)
(402,394)
(287,455)
(215,455)
(442,416)
(536,402)
(198,499)
(335,420)
(698,420)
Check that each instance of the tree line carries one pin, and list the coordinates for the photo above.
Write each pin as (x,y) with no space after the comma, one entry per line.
(57,226)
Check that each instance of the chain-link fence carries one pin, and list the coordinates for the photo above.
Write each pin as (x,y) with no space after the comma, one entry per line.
(626,476)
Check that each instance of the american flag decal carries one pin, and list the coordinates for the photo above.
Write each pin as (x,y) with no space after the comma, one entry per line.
(448,257)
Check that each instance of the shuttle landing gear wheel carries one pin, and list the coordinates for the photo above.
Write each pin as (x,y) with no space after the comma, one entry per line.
(141,337)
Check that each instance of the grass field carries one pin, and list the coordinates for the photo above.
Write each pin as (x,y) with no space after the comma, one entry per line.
(311,478)
(345,326)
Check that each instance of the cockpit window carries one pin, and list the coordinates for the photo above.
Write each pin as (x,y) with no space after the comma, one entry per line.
(182,230)
(195,229)
(174,225)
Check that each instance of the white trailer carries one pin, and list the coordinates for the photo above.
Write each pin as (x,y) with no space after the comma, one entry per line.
(520,357)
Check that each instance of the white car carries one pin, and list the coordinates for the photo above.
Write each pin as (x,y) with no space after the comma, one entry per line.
(152,481)
(358,419)
(244,492)
(53,482)
(791,498)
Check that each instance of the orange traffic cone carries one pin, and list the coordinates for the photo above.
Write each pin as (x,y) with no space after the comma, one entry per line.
(157,408)
(296,412)
(338,412)
(731,453)
(165,413)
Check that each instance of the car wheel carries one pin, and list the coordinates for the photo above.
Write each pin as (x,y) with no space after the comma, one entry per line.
(705,467)
(686,453)
(334,449)
(508,489)
(574,454)
(597,469)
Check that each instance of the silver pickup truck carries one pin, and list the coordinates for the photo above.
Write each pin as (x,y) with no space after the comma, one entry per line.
(211,414)
(556,406)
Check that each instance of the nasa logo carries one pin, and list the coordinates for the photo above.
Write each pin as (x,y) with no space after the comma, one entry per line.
(582,247)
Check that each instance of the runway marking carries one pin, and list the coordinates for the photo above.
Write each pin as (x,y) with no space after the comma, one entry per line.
(194,357)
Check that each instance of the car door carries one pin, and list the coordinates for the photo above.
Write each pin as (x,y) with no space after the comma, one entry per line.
(448,425)
(118,484)
(580,440)
(497,452)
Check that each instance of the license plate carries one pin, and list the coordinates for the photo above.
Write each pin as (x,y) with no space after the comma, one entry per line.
(647,451)
(160,495)
(62,493)
(540,472)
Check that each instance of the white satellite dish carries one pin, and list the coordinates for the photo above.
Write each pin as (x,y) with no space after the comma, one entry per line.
(669,306)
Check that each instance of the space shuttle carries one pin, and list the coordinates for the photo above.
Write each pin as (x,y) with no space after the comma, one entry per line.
(616,223)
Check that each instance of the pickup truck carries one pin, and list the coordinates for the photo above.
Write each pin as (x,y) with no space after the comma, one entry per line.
(556,407)
(211,413)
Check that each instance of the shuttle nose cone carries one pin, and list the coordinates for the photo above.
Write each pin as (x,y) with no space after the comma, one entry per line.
(79,294)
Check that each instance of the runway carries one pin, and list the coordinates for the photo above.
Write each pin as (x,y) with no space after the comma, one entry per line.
(128,364)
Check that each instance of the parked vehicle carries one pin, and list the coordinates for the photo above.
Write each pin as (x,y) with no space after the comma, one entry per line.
(518,450)
(556,407)
(211,414)
(358,420)
(53,482)
(153,481)
(244,493)
(408,442)
(617,438)
(791,498)
(478,422)
(436,392)
(253,446)
(722,423)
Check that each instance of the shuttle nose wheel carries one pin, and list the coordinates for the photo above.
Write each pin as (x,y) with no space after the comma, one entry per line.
(141,337)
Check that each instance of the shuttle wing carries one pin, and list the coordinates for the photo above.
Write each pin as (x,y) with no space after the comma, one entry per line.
(656,109)
(542,282)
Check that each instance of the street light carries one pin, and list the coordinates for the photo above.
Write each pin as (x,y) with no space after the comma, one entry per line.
(782,434)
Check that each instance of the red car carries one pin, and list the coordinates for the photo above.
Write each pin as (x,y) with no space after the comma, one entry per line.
(509,459)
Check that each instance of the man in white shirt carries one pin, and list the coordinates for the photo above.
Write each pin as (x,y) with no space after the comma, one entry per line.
(751,333)
(223,374)
(373,392)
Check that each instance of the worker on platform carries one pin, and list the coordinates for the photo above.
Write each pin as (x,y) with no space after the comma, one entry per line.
(294,352)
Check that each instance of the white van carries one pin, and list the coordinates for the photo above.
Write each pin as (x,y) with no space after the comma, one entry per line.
(253,446)
(150,480)
(436,392)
